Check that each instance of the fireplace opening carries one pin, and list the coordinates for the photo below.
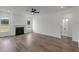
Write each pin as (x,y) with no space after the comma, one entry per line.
(19,30)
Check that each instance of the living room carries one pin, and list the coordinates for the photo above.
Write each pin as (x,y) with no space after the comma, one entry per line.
(39,28)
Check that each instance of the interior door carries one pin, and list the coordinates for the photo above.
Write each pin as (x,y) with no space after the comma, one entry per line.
(65,27)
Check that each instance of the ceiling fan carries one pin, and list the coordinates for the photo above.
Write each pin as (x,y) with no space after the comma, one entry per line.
(33,11)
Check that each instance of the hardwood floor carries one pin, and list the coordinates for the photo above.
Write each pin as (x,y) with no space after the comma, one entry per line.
(33,42)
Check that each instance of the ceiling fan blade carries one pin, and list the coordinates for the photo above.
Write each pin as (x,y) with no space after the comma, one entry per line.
(36,12)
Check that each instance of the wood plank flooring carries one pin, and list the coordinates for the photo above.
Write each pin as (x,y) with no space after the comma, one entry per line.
(33,42)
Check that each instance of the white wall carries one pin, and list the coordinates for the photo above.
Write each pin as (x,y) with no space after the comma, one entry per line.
(50,24)
(75,25)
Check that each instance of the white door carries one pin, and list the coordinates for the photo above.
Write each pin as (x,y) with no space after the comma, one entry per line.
(64,27)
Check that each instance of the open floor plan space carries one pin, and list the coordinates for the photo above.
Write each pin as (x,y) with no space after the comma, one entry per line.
(39,29)
(33,42)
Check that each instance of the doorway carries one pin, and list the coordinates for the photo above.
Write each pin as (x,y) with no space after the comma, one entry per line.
(29,24)
(66,28)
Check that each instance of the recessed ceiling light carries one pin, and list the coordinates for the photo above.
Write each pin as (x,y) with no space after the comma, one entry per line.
(8,10)
(66,20)
(32,13)
(61,6)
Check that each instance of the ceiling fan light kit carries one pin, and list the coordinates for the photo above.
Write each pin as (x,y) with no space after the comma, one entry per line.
(34,11)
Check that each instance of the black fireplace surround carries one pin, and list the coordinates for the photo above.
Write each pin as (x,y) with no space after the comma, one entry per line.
(19,30)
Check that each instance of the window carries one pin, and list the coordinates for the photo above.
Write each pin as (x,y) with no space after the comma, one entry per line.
(4,21)
(28,22)
(4,25)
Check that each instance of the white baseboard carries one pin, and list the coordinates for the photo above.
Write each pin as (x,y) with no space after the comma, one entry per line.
(50,35)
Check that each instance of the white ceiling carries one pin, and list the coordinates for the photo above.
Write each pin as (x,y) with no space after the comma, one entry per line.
(42,9)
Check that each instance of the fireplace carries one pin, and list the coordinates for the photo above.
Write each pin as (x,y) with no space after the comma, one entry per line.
(19,30)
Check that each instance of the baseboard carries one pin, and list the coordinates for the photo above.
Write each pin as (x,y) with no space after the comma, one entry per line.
(66,37)
(48,35)
(8,36)
(75,41)
(14,35)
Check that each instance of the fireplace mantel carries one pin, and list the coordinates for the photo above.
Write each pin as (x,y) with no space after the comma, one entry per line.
(20,25)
